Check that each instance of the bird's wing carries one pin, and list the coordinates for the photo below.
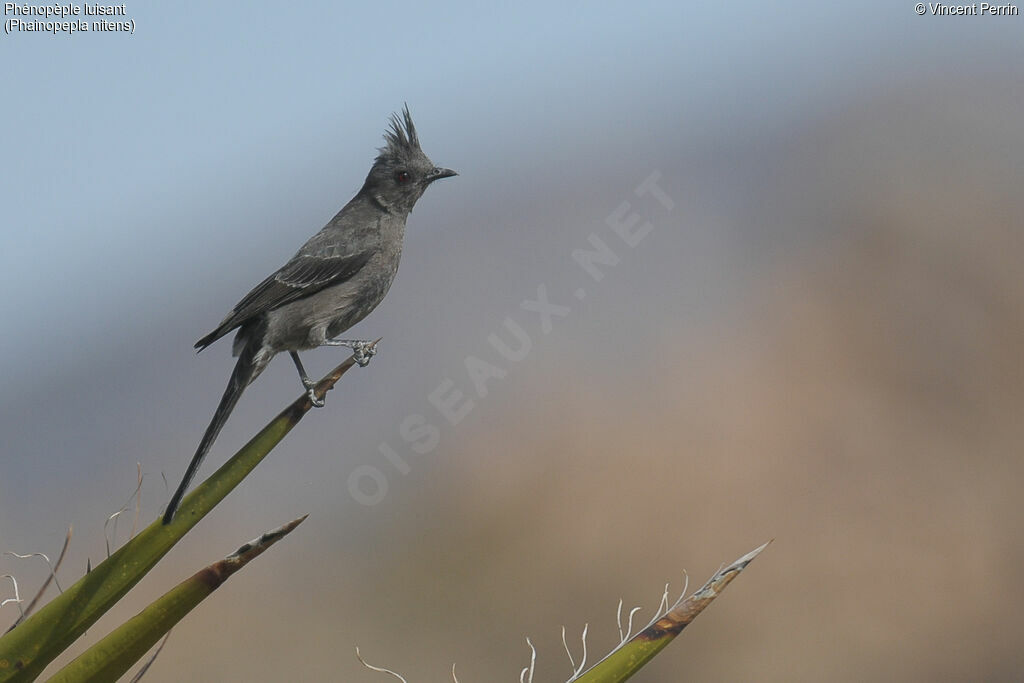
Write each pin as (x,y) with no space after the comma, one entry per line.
(300,277)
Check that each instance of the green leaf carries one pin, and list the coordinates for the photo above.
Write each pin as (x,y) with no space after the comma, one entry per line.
(628,658)
(112,656)
(28,649)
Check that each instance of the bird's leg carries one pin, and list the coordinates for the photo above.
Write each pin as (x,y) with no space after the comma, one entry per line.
(361,349)
(307,382)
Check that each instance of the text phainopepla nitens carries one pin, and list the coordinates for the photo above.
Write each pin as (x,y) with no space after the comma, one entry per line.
(333,282)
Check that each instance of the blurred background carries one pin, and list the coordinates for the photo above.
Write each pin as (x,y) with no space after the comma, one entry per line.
(817,339)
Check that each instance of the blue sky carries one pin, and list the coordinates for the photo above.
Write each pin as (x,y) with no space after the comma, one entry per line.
(148,180)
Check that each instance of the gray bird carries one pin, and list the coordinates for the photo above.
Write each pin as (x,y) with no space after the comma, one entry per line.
(333,282)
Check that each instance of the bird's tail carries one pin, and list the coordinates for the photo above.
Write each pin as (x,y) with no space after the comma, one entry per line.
(245,371)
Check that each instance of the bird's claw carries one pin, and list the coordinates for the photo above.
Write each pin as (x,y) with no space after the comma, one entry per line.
(317,402)
(311,393)
(362,352)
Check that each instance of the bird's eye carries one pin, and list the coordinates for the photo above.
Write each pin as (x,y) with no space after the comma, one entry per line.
(402,176)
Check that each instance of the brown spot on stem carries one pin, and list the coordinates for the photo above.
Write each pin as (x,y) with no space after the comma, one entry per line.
(661,628)
(211,576)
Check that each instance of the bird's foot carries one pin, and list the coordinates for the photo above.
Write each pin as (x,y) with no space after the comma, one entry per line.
(311,392)
(362,350)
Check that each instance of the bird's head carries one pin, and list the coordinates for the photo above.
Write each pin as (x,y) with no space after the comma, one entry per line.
(401,172)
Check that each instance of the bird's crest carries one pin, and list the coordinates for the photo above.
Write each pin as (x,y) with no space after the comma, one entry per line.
(400,136)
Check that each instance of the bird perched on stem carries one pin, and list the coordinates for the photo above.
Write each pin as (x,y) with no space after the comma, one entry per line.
(336,278)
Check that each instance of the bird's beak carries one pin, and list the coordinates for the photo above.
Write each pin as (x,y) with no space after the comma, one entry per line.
(439,173)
